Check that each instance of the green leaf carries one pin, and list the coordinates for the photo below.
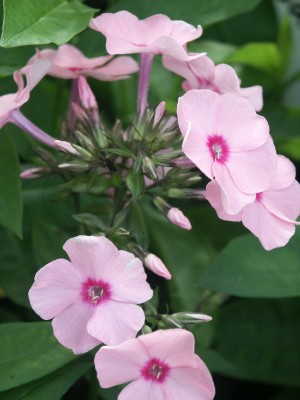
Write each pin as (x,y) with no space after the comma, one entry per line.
(285,41)
(135,183)
(260,338)
(245,269)
(184,254)
(16,276)
(28,22)
(51,387)
(217,51)
(29,351)
(193,11)
(263,56)
(289,394)
(137,225)
(47,242)
(10,187)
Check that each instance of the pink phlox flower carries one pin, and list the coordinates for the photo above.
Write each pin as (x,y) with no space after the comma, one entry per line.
(202,73)
(126,34)
(69,63)
(177,217)
(271,217)
(160,366)
(13,101)
(93,298)
(228,141)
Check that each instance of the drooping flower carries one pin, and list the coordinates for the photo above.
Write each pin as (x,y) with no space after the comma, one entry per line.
(228,141)
(160,366)
(156,265)
(68,62)
(202,73)
(93,298)
(126,34)
(271,217)
(177,217)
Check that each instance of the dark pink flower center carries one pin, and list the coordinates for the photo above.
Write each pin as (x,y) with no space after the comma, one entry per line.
(155,370)
(95,292)
(259,196)
(218,148)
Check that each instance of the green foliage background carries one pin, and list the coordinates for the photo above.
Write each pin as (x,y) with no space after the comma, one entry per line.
(253,344)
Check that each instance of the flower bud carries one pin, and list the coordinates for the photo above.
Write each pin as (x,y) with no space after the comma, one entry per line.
(74,166)
(33,173)
(159,112)
(161,205)
(171,321)
(183,162)
(87,98)
(191,318)
(155,265)
(149,168)
(178,218)
(66,147)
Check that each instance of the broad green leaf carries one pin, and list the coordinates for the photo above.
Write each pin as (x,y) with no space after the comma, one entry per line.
(245,269)
(135,183)
(285,41)
(137,225)
(260,338)
(29,351)
(193,11)
(51,387)
(10,187)
(263,56)
(217,51)
(28,22)
(16,276)
(47,242)
(184,254)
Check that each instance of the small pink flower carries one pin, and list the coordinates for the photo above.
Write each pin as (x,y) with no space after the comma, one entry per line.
(93,298)
(13,101)
(202,73)
(155,265)
(271,217)
(69,63)
(228,141)
(160,366)
(178,218)
(126,34)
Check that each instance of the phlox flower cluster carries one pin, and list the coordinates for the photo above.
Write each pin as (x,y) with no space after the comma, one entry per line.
(100,295)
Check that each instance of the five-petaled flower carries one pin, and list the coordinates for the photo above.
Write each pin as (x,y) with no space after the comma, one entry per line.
(160,366)
(93,298)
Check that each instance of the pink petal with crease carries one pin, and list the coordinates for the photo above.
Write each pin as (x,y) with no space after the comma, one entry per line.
(142,390)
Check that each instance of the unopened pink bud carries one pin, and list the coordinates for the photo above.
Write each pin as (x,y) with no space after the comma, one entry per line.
(87,98)
(178,218)
(32,173)
(159,112)
(66,147)
(183,162)
(155,265)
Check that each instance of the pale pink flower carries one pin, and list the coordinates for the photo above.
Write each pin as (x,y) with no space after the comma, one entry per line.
(202,73)
(178,218)
(126,34)
(155,265)
(160,366)
(228,141)
(271,217)
(93,298)
(68,62)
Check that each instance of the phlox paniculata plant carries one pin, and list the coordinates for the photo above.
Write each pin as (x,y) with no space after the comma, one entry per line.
(100,296)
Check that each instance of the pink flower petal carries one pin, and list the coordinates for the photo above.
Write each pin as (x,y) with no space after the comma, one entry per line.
(96,257)
(233,199)
(118,68)
(120,364)
(114,322)
(70,327)
(182,68)
(284,203)
(190,383)
(239,123)
(143,390)
(130,284)
(270,230)
(252,171)
(254,94)
(162,345)
(167,45)
(183,32)
(213,194)
(285,175)
(56,286)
